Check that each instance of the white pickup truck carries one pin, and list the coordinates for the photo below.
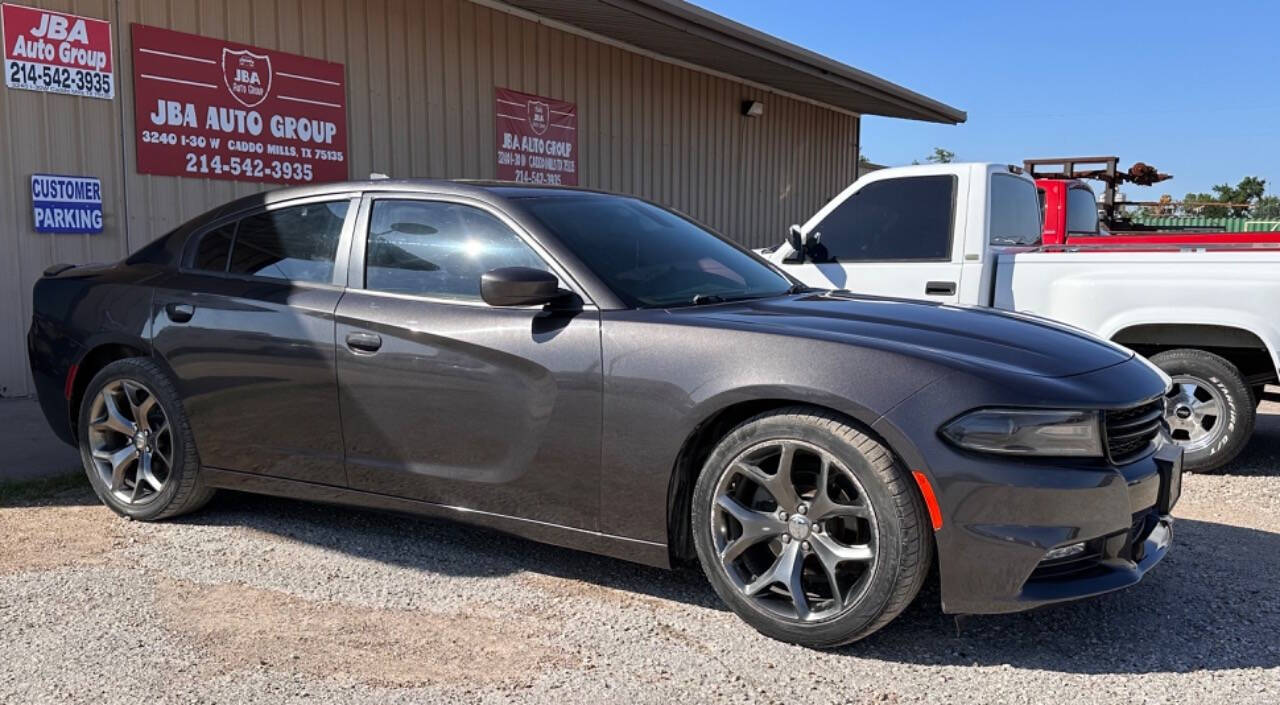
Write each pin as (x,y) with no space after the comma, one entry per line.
(970,234)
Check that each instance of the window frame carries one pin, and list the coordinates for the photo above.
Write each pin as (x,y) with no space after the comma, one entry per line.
(355,271)
(951,223)
(337,280)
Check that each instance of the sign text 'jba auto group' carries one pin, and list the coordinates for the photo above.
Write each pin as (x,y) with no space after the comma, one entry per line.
(208,108)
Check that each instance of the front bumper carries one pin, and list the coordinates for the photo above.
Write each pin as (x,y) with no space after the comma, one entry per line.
(996,534)
(1002,516)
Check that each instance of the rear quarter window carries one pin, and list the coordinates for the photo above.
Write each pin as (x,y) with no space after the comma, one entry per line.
(1015,211)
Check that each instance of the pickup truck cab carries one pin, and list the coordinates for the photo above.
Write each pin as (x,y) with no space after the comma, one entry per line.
(971,234)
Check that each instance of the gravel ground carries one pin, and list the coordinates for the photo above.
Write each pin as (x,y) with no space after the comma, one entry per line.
(274,601)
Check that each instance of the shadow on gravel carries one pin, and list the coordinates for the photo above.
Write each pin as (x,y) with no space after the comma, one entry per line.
(1261,456)
(443,547)
(1211,605)
(70,489)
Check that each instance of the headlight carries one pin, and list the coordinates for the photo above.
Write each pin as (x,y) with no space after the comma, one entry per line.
(1027,432)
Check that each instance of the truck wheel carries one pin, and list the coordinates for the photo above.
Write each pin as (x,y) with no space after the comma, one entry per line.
(1210,409)
(809,529)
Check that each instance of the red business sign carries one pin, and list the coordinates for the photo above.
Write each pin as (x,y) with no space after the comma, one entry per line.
(57,53)
(537,138)
(206,108)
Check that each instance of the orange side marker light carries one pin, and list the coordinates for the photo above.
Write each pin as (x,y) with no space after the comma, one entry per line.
(930,499)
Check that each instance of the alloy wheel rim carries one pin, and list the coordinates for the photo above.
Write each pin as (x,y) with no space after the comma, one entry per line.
(793,531)
(1196,412)
(130,442)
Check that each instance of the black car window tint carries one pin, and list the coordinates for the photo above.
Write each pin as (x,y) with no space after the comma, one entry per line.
(1015,214)
(214,249)
(652,257)
(438,249)
(297,243)
(891,220)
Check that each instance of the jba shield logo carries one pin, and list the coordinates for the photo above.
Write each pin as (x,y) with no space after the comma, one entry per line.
(247,75)
(539,116)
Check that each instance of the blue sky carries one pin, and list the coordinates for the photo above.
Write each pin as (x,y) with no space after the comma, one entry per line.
(1191,88)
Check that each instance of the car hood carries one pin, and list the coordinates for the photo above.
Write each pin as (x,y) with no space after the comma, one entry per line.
(955,335)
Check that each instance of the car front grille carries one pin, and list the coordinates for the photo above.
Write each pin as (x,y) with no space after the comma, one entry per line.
(1131,431)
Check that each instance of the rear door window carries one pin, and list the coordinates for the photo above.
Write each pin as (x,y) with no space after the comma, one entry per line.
(214,249)
(296,243)
(889,221)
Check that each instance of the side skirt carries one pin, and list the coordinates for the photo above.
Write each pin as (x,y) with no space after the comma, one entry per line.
(634,550)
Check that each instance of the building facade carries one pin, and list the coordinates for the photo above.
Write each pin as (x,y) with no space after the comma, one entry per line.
(661,94)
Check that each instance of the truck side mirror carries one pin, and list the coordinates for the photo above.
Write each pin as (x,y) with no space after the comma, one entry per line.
(795,238)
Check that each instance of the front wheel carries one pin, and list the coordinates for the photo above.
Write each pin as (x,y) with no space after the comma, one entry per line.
(136,445)
(808,529)
(1210,409)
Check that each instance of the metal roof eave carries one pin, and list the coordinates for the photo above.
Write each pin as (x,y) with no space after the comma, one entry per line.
(693,35)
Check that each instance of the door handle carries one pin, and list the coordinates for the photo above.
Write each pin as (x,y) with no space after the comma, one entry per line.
(940,289)
(180,313)
(364,342)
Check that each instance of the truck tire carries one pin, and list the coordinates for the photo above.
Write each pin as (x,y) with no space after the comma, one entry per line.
(1210,409)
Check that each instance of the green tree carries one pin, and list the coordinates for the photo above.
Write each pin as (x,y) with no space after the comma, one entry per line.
(941,156)
(1243,197)
(1191,207)
(1266,208)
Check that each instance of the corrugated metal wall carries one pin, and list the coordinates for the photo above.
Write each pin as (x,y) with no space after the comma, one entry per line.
(420,77)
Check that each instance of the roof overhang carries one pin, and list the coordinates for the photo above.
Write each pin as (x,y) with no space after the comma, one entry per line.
(692,35)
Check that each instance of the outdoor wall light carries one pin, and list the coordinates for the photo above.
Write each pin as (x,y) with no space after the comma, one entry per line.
(752,108)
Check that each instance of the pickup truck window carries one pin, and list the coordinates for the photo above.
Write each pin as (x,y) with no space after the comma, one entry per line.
(1015,211)
(1082,211)
(891,220)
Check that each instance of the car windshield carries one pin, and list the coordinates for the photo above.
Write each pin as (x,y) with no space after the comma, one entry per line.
(651,257)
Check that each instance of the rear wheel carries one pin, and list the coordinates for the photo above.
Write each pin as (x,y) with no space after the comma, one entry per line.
(1210,409)
(808,529)
(136,445)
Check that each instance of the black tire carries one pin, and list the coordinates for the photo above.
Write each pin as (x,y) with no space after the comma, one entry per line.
(182,490)
(1234,426)
(904,546)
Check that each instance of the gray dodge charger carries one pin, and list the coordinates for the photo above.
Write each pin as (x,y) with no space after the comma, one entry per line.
(595,371)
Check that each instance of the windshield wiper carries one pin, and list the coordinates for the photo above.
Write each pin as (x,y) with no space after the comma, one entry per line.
(707,299)
(799,288)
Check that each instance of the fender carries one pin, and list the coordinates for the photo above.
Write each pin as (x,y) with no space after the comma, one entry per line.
(1247,321)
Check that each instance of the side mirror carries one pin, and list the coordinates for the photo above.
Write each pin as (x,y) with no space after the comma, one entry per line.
(795,238)
(518,286)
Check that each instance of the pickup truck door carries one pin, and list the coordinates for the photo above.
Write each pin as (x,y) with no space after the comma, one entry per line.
(897,236)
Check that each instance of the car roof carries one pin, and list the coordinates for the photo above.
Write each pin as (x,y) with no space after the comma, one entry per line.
(474,187)
(477,189)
